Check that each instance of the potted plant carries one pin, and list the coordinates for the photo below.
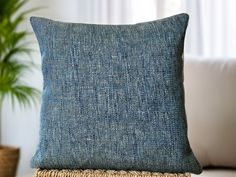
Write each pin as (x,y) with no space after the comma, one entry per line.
(15,61)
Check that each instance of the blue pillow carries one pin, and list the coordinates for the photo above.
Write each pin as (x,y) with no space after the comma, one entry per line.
(113,96)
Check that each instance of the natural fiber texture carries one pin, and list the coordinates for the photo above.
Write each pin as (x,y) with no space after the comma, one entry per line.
(9,157)
(104,173)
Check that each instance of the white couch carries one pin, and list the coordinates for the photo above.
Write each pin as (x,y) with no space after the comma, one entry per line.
(210,99)
(217,173)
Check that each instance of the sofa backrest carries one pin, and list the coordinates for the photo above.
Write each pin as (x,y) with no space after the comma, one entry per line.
(210,99)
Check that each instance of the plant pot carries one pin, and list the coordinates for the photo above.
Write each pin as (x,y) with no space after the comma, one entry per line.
(9,157)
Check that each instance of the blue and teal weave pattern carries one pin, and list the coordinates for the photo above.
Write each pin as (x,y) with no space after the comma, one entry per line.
(113,96)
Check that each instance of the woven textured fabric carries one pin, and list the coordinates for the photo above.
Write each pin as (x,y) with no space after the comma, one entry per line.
(104,173)
(113,97)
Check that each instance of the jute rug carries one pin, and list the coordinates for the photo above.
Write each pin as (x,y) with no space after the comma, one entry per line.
(104,173)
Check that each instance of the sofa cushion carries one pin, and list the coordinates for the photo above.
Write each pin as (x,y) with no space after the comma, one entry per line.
(210,89)
(113,96)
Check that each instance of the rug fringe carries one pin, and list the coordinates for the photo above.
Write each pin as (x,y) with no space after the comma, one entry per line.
(104,173)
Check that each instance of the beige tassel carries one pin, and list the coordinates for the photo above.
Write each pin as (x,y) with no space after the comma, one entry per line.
(104,173)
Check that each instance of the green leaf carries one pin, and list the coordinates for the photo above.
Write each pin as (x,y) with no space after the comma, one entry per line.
(25,95)
(14,51)
(15,54)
